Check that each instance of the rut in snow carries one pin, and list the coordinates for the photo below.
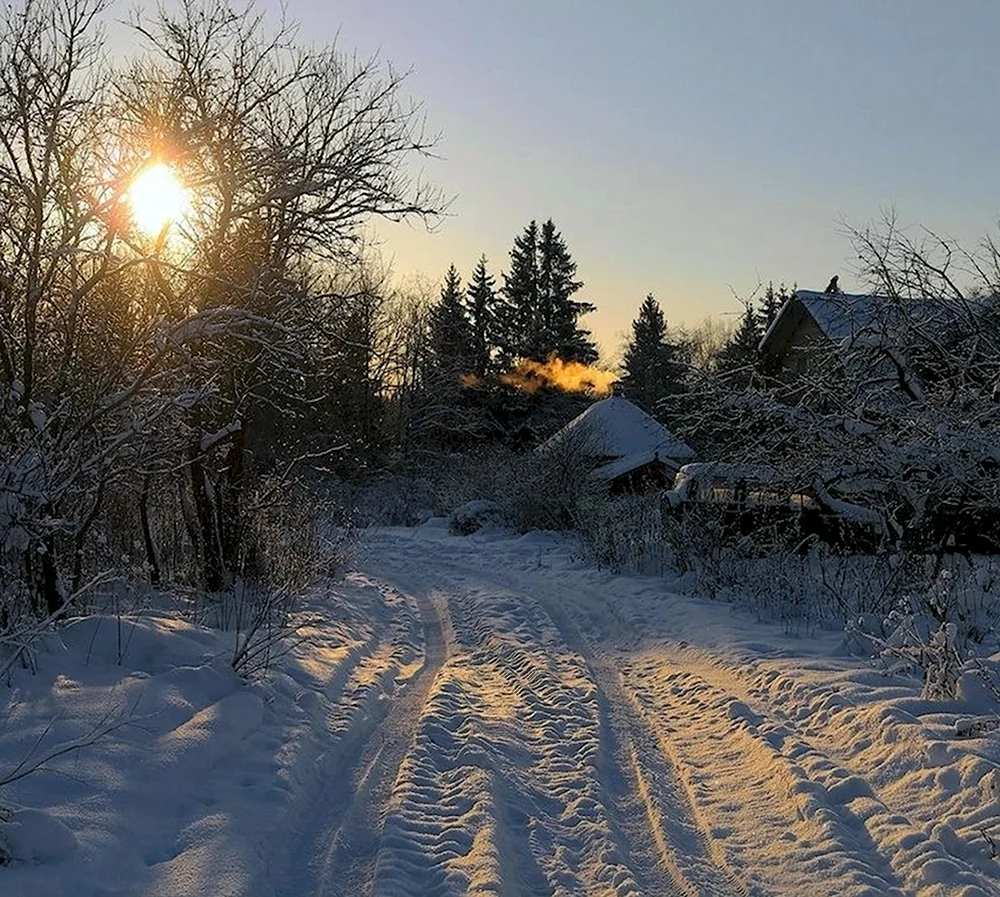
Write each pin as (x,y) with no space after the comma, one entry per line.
(337,841)
(654,810)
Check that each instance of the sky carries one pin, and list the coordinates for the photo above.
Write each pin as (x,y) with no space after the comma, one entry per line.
(686,149)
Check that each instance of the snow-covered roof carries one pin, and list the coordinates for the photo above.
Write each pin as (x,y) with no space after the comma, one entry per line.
(627,463)
(838,315)
(846,316)
(615,428)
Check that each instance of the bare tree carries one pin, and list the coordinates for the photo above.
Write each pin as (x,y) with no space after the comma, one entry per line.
(126,355)
(890,428)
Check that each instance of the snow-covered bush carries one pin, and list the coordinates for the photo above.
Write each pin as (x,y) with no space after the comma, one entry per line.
(265,626)
(294,539)
(476,515)
(938,626)
(487,473)
(625,534)
(398,498)
(536,492)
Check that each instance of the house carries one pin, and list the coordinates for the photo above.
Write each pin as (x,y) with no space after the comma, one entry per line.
(900,394)
(630,450)
(810,324)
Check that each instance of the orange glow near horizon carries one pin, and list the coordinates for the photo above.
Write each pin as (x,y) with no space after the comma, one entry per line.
(157,198)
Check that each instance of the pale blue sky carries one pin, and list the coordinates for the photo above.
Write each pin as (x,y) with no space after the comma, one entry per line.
(686,148)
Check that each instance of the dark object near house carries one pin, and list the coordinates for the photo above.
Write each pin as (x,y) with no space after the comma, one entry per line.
(832,287)
(746,500)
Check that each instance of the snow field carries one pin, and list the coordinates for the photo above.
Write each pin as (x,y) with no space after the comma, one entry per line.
(194,789)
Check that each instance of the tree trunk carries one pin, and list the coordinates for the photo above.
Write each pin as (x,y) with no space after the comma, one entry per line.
(43,583)
(49,579)
(231,503)
(147,535)
(207,521)
(81,536)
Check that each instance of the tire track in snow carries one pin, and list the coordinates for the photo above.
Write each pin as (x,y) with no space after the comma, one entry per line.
(337,851)
(653,810)
(791,812)
(830,788)
(501,794)
(348,861)
(722,722)
(733,776)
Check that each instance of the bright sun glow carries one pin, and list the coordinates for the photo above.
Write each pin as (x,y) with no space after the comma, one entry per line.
(157,197)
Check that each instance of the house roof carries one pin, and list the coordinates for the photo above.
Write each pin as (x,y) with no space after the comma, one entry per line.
(627,463)
(615,428)
(841,315)
(838,315)
(846,316)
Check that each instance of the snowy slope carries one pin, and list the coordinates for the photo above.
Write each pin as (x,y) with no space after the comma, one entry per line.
(206,774)
(486,715)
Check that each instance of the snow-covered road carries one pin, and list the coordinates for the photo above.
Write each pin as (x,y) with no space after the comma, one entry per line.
(492,715)
(567,732)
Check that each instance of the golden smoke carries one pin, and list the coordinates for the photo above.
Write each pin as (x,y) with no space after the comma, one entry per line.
(569,376)
(469,380)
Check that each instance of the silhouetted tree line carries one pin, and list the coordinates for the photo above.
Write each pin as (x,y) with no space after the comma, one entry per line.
(483,328)
(477,333)
(661,367)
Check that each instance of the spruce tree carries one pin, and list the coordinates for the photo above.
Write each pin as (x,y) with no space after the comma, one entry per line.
(652,367)
(517,314)
(481,310)
(449,334)
(538,315)
(556,327)
(738,359)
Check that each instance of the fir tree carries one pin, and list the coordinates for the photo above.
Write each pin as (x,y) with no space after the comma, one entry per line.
(539,315)
(738,359)
(449,334)
(556,327)
(652,367)
(481,309)
(517,315)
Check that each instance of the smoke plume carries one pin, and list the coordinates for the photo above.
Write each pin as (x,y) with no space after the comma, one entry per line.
(569,376)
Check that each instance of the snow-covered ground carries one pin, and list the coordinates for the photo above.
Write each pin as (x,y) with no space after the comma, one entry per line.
(489,715)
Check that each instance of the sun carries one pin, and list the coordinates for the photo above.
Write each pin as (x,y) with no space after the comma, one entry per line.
(157,198)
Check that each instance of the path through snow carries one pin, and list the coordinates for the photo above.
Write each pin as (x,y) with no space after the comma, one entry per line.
(490,716)
(578,733)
